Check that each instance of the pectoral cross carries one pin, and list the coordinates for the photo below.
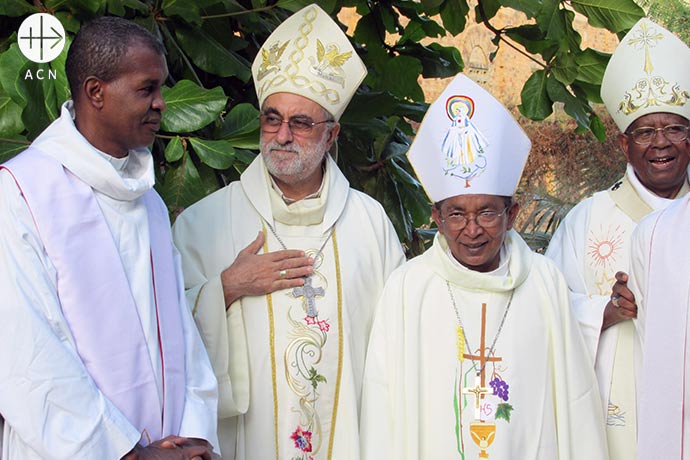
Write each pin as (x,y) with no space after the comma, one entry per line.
(478,391)
(309,293)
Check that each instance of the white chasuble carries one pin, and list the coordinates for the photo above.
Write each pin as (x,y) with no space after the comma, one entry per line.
(290,383)
(590,246)
(535,396)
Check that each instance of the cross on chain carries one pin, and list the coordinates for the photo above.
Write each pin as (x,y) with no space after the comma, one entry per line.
(479,390)
(309,293)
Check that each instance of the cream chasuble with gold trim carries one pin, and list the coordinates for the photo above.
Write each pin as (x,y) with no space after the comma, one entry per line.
(290,383)
(536,397)
(590,246)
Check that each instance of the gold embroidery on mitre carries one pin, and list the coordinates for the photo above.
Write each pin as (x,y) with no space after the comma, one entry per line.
(290,71)
(329,62)
(650,90)
(270,59)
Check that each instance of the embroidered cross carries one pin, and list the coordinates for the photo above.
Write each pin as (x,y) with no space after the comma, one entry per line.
(478,391)
(309,293)
(647,38)
(482,357)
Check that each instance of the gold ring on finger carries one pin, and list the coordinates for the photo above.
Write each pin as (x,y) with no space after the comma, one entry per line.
(282,273)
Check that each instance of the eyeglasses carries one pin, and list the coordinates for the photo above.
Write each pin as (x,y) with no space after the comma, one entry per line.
(485,219)
(645,134)
(298,125)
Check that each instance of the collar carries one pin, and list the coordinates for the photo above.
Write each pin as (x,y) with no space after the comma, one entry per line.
(121,179)
(257,188)
(654,201)
(511,273)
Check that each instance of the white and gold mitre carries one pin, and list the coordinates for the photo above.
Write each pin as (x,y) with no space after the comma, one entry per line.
(468,143)
(649,72)
(309,55)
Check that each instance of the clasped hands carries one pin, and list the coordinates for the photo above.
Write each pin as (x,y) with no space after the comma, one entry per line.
(172,448)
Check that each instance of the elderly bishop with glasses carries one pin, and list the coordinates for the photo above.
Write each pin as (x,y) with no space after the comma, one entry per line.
(646,88)
(286,315)
(475,352)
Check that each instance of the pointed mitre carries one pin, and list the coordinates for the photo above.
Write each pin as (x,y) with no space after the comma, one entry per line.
(468,143)
(649,72)
(309,55)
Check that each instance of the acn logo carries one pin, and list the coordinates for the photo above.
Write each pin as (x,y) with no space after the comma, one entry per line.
(41,37)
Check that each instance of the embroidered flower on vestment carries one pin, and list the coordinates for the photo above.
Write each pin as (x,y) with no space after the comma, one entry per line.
(324,326)
(310,320)
(302,439)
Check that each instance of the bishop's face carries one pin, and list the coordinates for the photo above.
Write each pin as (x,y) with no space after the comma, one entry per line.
(293,154)
(661,165)
(474,244)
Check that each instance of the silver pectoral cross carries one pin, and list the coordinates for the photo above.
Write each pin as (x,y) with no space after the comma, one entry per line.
(309,293)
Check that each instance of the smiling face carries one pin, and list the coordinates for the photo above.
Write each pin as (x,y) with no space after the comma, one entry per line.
(662,165)
(477,248)
(131,104)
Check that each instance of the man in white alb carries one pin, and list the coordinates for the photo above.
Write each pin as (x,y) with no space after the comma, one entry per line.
(475,352)
(99,356)
(287,328)
(644,88)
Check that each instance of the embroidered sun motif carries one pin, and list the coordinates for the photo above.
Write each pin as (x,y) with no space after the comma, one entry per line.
(603,248)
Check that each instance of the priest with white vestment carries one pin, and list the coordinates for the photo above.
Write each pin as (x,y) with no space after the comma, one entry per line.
(474,352)
(99,357)
(592,243)
(290,357)
(659,277)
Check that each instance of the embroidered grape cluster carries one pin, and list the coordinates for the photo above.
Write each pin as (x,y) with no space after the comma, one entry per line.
(500,388)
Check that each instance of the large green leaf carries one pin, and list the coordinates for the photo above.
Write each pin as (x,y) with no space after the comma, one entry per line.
(529,7)
(591,65)
(533,39)
(41,100)
(92,7)
(175,149)
(8,149)
(454,15)
(433,59)
(564,67)
(117,7)
(536,104)
(573,106)
(296,5)
(400,77)
(366,31)
(187,11)
(242,119)
(614,15)
(12,64)
(216,154)
(551,20)
(211,56)
(14,8)
(191,107)
(183,185)
(62,92)
(10,116)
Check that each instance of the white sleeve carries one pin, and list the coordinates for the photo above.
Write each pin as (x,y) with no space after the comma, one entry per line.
(200,416)
(51,406)
(566,249)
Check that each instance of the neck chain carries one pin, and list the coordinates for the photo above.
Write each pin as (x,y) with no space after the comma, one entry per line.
(308,291)
(462,337)
(318,253)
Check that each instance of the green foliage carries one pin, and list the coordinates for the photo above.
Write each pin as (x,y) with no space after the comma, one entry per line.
(210,128)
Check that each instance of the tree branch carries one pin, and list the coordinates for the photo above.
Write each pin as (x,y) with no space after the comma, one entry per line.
(499,35)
